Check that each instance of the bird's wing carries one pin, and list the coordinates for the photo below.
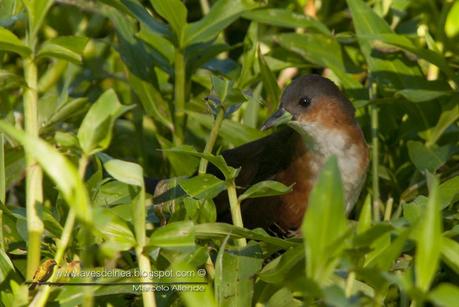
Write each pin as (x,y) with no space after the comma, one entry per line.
(261,159)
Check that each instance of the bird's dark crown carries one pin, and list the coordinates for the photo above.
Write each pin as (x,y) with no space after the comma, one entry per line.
(307,91)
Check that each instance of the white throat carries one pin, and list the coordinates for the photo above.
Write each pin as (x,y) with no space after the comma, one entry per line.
(326,142)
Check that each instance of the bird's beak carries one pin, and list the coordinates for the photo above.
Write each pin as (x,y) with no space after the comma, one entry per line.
(280,117)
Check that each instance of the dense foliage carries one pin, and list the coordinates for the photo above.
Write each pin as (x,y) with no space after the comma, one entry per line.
(95,95)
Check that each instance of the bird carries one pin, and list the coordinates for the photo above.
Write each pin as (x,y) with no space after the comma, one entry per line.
(43,273)
(322,123)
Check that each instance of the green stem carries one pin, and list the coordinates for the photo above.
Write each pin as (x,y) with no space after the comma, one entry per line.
(139,216)
(374,153)
(42,295)
(34,173)
(204,6)
(235,211)
(212,139)
(179,96)
(2,186)
(350,284)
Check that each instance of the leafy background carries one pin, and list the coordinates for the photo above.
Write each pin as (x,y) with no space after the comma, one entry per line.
(97,94)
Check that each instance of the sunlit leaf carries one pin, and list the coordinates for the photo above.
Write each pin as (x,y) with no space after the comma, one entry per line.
(10,42)
(58,168)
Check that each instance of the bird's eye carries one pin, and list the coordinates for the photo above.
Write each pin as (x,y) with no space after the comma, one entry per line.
(304,101)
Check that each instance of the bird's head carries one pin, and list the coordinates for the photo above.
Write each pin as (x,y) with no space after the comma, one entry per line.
(312,100)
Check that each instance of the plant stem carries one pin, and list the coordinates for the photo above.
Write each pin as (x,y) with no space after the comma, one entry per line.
(139,215)
(2,186)
(179,96)
(374,153)
(34,173)
(204,6)
(42,296)
(235,211)
(350,283)
(212,139)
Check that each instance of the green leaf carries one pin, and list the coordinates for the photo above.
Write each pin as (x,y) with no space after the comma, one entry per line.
(10,42)
(221,230)
(233,132)
(390,71)
(279,270)
(218,161)
(328,208)
(285,18)
(321,50)
(175,234)
(448,191)
(450,253)
(95,132)
(2,178)
(10,80)
(204,186)
(6,266)
(265,188)
(127,172)
(58,168)
(425,158)
(378,41)
(36,10)
(68,48)
(67,110)
(447,118)
(451,24)
(221,15)
(114,229)
(269,81)
(364,222)
(234,274)
(445,295)
(428,240)
(152,101)
(175,12)
(421,95)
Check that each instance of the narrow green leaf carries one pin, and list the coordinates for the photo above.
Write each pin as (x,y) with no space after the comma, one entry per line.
(265,188)
(421,95)
(269,81)
(10,42)
(278,270)
(391,71)
(58,168)
(152,101)
(68,48)
(232,132)
(450,253)
(127,172)
(222,14)
(221,230)
(175,12)
(95,132)
(451,24)
(204,186)
(175,234)
(365,216)
(319,49)
(218,161)
(404,43)
(234,278)
(328,208)
(36,10)
(445,295)
(285,18)
(428,240)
